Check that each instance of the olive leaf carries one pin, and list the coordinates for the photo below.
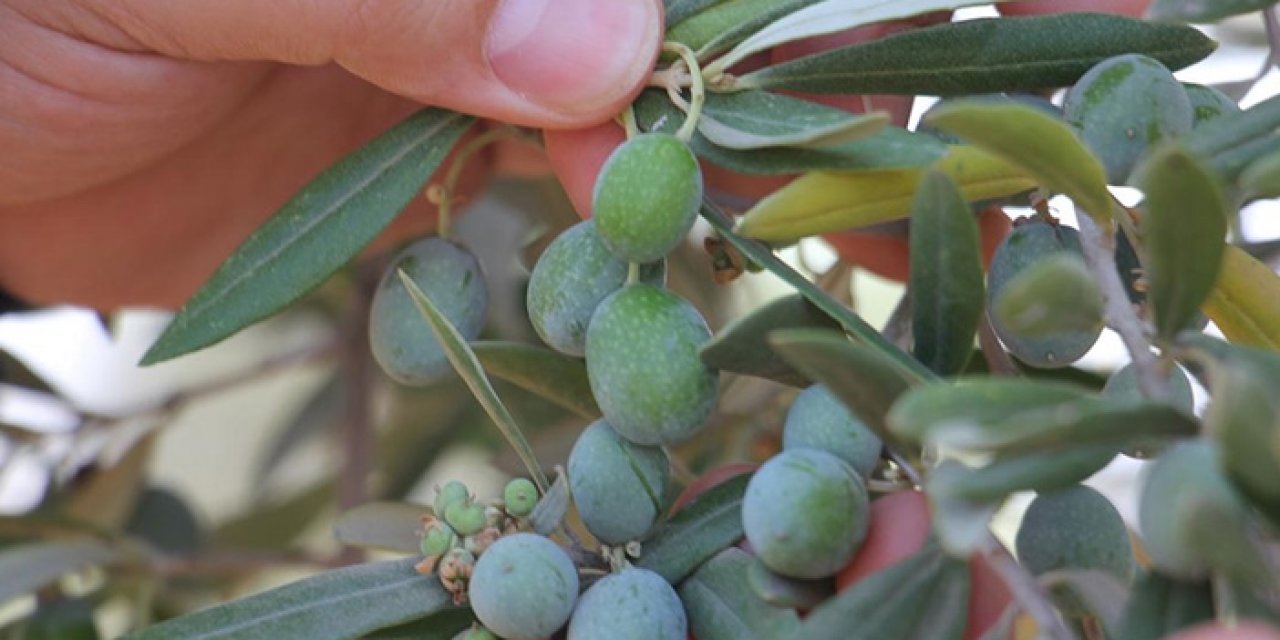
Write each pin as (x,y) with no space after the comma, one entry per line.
(390,526)
(1222,134)
(444,625)
(849,321)
(1200,11)
(1046,470)
(680,10)
(333,605)
(325,225)
(946,275)
(548,374)
(1245,302)
(722,606)
(983,56)
(831,16)
(1244,418)
(468,366)
(550,510)
(823,202)
(758,120)
(723,25)
(962,525)
(710,523)
(1184,232)
(974,400)
(924,597)
(742,347)
(1261,179)
(1042,145)
(892,147)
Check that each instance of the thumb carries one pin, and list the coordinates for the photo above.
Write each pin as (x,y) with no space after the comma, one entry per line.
(538,63)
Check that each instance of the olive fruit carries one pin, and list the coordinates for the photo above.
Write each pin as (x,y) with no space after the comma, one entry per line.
(400,338)
(465,516)
(646,197)
(520,497)
(633,604)
(1208,103)
(618,486)
(805,512)
(1122,106)
(523,587)
(574,273)
(818,420)
(643,366)
(1026,245)
(1075,528)
(437,539)
(452,491)
(1187,501)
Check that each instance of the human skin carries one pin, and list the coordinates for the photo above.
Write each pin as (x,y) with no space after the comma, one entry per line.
(144,139)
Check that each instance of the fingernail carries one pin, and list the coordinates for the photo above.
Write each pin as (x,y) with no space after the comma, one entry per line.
(573,56)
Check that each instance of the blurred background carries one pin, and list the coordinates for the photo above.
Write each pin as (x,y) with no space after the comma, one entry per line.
(229,467)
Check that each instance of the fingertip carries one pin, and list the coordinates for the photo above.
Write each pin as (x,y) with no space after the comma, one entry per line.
(576,157)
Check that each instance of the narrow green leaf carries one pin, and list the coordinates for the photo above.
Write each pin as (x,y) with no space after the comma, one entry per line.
(742,347)
(1184,232)
(758,119)
(1231,130)
(552,506)
(1099,592)
(924,597)
(1231,164)
(1159,606)
(334,605)
(1031,139)
(389,526)
(24,568)
(946,275)
(1054,296)
(549,374)
(1262,178)
(856,326)
(974,400)
(1047,470)
(861,378)
(892,147)
(984,56)
(710,523)
(1201,11)
(722,606)
(782,591)
(727,23)
(438,626)
(468,366)
(680,10)
(276,524)
(827,17)
(326,224)
(823,202)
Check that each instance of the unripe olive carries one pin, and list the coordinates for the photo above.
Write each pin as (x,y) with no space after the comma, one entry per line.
(1123,106)
(1074,528)
(643,365)
(520,497)
(437,539)
(1123,386)
(1026,245)
(618,486)
(524,587)
(574,273)
(1208,103)
(453,491)
(465,516)
(805,512)
(818,420)
(647,196)
(634,604)
(400,338)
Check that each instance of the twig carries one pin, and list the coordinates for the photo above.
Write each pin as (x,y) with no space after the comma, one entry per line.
(1025,591)
(1099,251)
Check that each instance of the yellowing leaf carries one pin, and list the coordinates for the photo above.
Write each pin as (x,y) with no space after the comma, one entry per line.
(1245,303)
(822,202)
(1037,142)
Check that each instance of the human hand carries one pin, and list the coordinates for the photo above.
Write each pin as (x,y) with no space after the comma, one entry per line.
(144,140)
